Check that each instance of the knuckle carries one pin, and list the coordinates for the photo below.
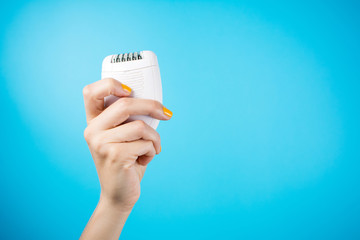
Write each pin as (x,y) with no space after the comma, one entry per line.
(155,105)
(150,146)
(140,126)
(110,83)
(158,138)
(111,150)
(87,134)
(124,103)
(152,152)
(113,153)
(97,143)
(87,91)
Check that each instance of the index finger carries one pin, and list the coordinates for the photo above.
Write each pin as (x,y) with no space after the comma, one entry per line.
(123,108)
(95,93)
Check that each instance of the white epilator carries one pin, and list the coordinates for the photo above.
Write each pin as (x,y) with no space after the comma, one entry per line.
(138,70)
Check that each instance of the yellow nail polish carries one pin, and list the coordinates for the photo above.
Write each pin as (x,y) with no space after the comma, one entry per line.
(126,88)
(167,112)
(160,150)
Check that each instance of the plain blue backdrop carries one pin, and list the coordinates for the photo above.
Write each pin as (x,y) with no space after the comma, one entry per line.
(264,142)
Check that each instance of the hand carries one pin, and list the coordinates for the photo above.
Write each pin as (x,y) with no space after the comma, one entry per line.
(121,150)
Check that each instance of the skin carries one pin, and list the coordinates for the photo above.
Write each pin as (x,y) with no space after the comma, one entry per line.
(121,151)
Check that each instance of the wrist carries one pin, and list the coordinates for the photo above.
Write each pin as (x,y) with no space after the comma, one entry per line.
(107,220)
(115,206)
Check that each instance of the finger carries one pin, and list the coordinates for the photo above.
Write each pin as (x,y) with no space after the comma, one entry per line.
(143,149)
(144,160)
(95,93)
(123,108)
(133,131)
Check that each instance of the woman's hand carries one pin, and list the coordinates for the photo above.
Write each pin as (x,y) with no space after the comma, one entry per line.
(121,151)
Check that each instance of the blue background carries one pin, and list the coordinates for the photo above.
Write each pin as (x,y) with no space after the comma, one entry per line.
(264,142)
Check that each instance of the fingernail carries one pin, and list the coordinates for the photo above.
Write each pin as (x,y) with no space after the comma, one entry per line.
(167,112)
(126,88)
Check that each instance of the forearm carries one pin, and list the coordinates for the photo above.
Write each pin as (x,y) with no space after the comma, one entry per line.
(106,222)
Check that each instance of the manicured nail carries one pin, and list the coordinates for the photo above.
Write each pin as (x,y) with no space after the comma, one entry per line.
(160,150)
(126,88)
(167,112)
